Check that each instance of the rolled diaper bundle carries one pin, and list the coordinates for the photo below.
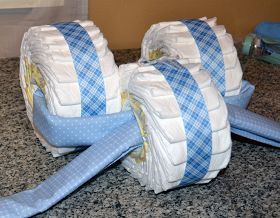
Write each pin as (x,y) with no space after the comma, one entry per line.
(183,40)
(184,123)
(177,132)
(202,41)
(73,67)
(181,137)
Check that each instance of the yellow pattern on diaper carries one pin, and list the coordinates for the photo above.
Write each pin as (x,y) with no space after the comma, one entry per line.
(139,154)
(32,77)
(124,101)
(155,54)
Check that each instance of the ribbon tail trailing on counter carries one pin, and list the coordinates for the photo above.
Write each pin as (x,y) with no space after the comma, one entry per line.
(89,163)
(175,144)
(166,119)
(68,90)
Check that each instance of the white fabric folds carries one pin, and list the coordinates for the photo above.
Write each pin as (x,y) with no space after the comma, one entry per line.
(46,63)
(173,39)
(161,163)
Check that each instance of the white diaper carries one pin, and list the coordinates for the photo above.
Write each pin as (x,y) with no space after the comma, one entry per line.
(46,63)
(161,164)
(173,39)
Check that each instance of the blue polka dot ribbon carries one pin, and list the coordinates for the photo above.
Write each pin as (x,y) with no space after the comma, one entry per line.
(195,117)
(211,55)
(86,63)
(106,151)
(75,131)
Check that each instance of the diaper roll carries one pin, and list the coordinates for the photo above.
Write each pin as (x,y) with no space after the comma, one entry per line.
(167,158)
(179,136)
(181,39)
(73,67)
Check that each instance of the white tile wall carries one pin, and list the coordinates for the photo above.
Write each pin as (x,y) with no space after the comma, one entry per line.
(14,22)
(30,3)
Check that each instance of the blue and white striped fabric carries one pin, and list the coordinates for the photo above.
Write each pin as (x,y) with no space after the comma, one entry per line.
(96,158)
(210,51)
(253,126)
(195,117)
(86,63)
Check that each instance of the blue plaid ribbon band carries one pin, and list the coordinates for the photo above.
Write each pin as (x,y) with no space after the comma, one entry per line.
(195,117)
(211,55)
(86,63)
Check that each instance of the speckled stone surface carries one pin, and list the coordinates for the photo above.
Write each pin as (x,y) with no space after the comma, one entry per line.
(250,186)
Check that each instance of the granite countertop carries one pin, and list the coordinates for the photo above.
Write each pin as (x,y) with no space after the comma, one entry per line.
(250,186)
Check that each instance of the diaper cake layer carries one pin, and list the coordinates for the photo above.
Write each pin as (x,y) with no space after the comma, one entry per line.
(72,66)
(183,121)
(198,41)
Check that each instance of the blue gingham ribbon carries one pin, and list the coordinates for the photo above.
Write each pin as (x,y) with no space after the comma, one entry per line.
(86,62)
(211,55)
(195,117)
